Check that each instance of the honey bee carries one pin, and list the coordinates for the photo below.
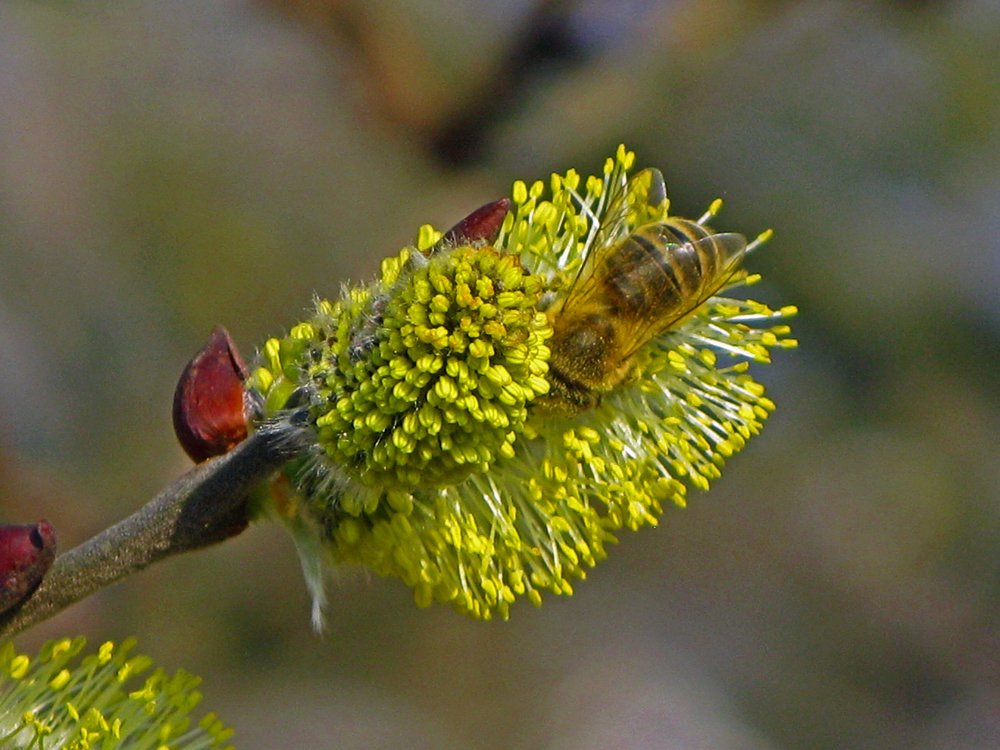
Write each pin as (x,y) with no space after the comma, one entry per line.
(629,291)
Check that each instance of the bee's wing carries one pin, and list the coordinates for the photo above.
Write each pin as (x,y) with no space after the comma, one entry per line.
(729,249)
(726,251)
(648,191)
(628,204)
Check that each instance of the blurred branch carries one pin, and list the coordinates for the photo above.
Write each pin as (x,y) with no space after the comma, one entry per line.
(205,506)
(456,113)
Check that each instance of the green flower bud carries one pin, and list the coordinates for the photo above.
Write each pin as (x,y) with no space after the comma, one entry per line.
(407,418)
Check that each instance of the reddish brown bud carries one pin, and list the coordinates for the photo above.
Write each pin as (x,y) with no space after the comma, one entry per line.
(26,552)
(482,225)
(209,417)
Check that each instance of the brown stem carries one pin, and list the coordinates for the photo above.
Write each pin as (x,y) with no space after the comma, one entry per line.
(203,507)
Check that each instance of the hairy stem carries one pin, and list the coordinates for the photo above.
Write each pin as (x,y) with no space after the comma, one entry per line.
(203,507)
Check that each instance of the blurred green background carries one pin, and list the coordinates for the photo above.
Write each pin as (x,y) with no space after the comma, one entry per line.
(165,166)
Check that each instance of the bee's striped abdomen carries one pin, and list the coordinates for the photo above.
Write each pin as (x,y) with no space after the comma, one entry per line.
(661,267)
